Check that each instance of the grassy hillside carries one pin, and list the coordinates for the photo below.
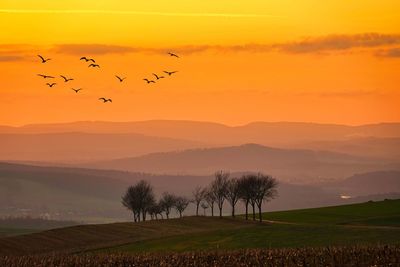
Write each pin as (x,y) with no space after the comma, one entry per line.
(379,213)
(376,223)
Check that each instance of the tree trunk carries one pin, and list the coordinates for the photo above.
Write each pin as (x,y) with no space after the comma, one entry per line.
(247,210)
(212,210)
(233,211)
(167,213)
(144,216)
(197,209)
(254,211)
(259,212)
(180,214)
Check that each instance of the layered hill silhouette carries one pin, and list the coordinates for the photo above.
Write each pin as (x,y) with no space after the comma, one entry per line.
(81,141)
(287,164)
(78,147)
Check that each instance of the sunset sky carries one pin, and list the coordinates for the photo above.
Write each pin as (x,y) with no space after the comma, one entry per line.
(241,61)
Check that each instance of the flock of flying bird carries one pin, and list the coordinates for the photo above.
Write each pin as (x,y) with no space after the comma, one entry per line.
(93,64)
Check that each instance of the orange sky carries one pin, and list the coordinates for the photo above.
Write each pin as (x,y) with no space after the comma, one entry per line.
(330,62)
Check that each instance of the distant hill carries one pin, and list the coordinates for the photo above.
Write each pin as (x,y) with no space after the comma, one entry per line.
(82,141)
(369,183)
(75,147)
(287,164)
(267,133)
(385,148)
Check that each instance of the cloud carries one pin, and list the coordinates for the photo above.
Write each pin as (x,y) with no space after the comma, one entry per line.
(93,49)
(79,49)
(386,43)
(391,52)
(15,52)
(332,43)
(10,58)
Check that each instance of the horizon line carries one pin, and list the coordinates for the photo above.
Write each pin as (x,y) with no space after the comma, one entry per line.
(198,121)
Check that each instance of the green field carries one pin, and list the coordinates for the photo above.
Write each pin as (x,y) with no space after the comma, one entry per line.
(9,231)
(359,224)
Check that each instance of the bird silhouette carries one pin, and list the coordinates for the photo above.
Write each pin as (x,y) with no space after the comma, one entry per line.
(149,81)
(46,76)
(158,77)
(173,55)
(105,100)
(170,72)
(76,90)
(50,84)
(120,79)
(66,79)
(88,59)
(43,59)
(94,65)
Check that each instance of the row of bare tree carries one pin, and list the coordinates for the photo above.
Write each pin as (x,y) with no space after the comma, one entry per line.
(252,189)
(141,200)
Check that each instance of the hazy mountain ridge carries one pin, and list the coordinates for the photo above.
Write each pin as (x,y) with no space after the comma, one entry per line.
(287,164)
(85,141)
(76,146)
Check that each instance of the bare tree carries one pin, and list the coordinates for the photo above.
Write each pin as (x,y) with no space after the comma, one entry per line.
(181,204)
(247,192)
(130,201)
(146,196)
(139,198)
(266,190)
(204,207)
(167,202)
(233,193)
(218,188)
(210,199)
(198,196)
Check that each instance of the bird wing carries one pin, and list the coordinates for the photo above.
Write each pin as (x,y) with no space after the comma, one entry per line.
(91,59)
(102,98)
(83,58)
(65,78)
(41,57)
(155,75)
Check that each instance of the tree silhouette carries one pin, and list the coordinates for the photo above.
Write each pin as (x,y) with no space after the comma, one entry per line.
(167,202)
(180,204)
(198,196)
(210,199)
(233,193)
(219,187)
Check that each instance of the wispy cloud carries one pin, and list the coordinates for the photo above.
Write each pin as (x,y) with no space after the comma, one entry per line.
(93,49)
(128,12)
(391,52)
(331,43)
(381,45)
(10,58)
